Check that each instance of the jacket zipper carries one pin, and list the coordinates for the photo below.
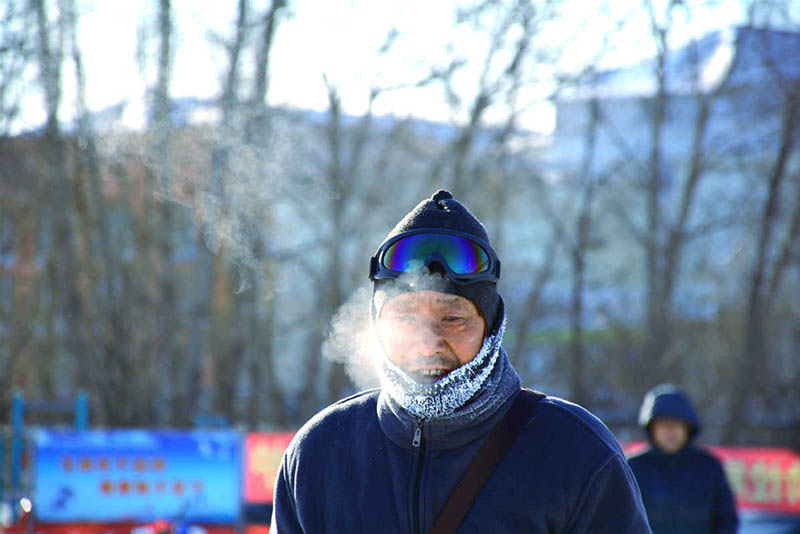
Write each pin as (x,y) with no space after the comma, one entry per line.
(417,444)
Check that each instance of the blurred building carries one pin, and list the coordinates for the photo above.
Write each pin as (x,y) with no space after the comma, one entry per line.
(724,101)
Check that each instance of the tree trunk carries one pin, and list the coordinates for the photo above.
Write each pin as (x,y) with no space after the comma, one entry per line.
(751,369)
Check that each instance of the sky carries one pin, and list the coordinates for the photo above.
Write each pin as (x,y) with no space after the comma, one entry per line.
(337,40)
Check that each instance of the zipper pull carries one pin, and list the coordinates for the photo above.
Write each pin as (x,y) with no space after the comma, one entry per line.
(417,437)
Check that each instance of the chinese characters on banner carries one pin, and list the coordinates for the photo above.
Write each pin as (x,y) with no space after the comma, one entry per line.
(763,478)
(137,475)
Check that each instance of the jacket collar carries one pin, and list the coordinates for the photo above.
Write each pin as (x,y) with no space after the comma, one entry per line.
(475,418)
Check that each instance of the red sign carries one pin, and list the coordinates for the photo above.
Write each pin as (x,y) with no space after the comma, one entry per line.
(263,453)
(763,478)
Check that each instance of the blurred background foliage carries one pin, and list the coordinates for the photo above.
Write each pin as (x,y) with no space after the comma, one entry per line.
(191,267)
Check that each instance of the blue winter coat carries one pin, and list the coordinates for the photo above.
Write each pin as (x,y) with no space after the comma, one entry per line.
(686,492)
(365,465)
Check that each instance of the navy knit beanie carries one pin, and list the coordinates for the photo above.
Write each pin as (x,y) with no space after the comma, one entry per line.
(442,211)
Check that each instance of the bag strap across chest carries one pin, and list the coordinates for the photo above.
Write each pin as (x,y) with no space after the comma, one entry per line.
(485,462)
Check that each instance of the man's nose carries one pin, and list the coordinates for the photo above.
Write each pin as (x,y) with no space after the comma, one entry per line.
(428,338)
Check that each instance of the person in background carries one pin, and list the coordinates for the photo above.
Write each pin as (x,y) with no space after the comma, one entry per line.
(684,487)
(387,460)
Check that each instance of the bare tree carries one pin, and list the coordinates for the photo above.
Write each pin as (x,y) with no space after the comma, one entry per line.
(666,236)
(18,310)
(241,196)
(16,53)
(94,247)
(225,350)
(500,80)
(346,185)
(168,322)
(768,267)
(68,293)
(261,363)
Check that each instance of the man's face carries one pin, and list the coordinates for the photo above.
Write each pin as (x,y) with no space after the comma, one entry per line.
(669,434)
(428,334)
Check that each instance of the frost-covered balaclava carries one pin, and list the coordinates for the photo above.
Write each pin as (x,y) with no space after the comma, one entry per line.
(443,397)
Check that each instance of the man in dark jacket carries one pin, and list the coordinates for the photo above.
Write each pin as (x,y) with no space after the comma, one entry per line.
(684,488)
(386,460)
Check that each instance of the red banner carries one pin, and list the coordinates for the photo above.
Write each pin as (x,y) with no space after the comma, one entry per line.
(263,452)
(763,478)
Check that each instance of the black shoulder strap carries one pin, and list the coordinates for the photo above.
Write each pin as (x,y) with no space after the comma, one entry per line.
(485,462)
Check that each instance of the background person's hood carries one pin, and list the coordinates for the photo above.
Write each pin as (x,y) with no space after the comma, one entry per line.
(666,400)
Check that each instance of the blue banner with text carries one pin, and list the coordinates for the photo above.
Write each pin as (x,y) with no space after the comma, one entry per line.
(137,475)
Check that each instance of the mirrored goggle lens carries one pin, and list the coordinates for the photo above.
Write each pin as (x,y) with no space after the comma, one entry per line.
(410,253)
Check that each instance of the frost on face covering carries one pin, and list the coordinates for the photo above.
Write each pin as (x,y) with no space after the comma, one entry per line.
(445,396)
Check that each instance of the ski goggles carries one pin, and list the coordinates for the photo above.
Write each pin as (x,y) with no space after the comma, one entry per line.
(464,258)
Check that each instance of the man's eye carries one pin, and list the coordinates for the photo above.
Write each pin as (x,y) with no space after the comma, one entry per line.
(453,319)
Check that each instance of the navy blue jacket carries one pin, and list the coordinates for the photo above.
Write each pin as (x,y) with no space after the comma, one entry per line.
(356,467)
(686,492)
